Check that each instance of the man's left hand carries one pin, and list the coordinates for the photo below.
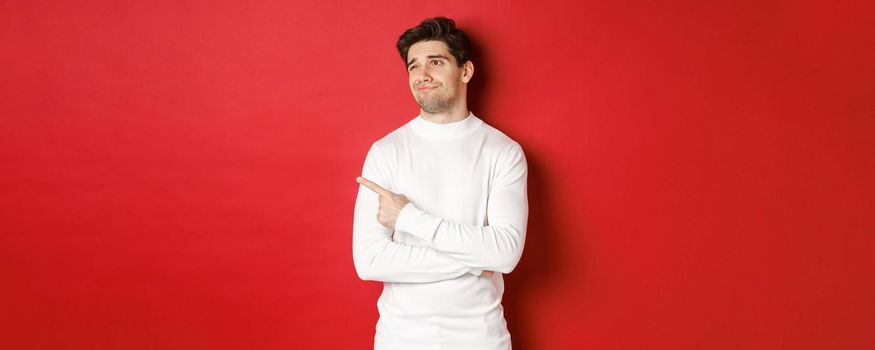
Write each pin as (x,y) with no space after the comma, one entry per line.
(390,203)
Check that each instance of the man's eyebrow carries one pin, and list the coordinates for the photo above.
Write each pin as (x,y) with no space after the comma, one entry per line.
(428,57)
(437,56)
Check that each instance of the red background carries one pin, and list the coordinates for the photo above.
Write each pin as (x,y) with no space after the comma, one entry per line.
(180,175)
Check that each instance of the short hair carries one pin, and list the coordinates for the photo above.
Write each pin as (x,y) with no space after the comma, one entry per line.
(440,29)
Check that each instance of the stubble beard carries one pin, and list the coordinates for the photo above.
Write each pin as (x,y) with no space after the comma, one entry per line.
(435,103)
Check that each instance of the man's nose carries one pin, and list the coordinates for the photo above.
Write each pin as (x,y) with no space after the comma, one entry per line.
(424,76)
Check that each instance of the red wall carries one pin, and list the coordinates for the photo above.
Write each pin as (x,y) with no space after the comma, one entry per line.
(180,175)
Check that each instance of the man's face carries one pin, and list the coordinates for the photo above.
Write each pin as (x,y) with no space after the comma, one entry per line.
(435,78)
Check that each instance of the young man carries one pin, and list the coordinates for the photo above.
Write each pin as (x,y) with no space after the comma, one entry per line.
(441,214)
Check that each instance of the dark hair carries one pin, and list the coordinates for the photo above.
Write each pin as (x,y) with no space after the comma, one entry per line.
(440,29)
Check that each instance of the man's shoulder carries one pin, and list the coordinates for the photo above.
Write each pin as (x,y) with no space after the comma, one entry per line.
(499,140)
(393,138)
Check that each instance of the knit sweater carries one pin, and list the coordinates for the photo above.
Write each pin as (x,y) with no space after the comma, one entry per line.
(466,182)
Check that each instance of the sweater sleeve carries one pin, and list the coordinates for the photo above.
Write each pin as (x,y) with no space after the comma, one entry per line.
(376,256)
(498,245)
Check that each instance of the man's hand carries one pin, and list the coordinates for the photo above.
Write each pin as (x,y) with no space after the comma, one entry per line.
(390,206)
(390,203)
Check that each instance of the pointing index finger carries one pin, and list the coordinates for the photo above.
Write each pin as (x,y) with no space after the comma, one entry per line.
(373,187)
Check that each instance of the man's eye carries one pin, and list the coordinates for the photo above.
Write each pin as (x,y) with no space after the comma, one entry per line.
(411,68)
(435,62)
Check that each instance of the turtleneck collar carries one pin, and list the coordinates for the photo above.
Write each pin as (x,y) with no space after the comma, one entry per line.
(448,131)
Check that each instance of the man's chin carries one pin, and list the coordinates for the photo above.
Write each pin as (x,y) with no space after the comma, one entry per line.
(432,109)
(432,106)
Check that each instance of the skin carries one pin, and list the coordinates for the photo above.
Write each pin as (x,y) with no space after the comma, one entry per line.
(440,87)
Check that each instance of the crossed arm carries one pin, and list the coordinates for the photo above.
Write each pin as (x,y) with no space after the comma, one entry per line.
(379,258)
(451,249)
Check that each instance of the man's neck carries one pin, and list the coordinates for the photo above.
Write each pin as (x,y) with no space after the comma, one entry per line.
(452,115)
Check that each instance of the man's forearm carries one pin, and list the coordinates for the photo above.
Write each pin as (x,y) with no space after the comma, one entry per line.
(495,247)
(387,261)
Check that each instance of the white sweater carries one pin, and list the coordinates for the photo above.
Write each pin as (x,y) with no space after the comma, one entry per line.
(466,182)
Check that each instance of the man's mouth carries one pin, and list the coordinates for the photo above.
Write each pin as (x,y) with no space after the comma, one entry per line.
(424,88)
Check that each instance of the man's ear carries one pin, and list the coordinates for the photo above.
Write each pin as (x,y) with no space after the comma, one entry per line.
(467,71)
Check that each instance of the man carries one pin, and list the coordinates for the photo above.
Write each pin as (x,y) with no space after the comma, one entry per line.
(441,214)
